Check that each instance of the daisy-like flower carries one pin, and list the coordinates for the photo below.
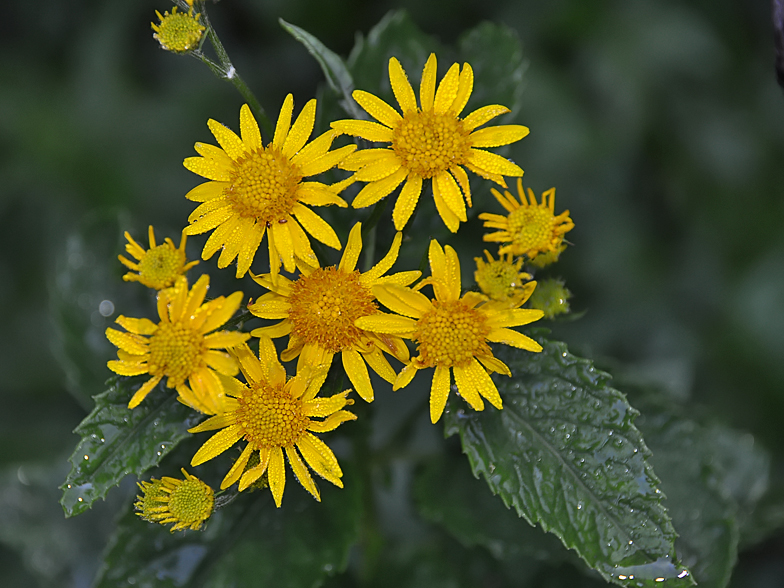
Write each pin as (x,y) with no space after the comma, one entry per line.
(320,307)
(181,346)
(428,142)
(275,416)
(501,279)
(178,32)
(451,332)
(531,228)
(186,503)
(157,267)
(255,190)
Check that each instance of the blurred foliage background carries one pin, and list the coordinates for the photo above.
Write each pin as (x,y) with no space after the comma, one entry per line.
(659,123)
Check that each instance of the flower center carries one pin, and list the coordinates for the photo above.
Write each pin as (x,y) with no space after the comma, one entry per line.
(498,279)
(264,185)
(160,266)
(324,306)
(270,417)
(191,501)
(532,228)
(451,334)
(430,143)
(179,32)
(175,351)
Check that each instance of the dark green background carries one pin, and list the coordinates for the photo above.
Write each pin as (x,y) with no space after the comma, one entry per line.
(659,123)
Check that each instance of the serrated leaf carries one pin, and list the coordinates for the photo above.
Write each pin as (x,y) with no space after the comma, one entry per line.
(564,452)
(249,542)
(117,441)
(335,70)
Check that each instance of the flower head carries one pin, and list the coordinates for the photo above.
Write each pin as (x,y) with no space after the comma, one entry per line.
(551,297)
(181,346)
(428,142)
(501,279)
(275,416)
(320,307)
(451,332)
(255,190)
(531,228)
(178,32)
(159,266)
(186,503)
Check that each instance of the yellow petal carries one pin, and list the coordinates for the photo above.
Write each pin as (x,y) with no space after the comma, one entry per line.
(403,300)
(140,326)
(493,364)
(256,472)
(360,128)
(215,154)
(128,368)
(386,323)
(492,163)
(363,157)
(313,456)
(206,207)
(207,168)
(283,244)
(376,360)
(377,108)
(482,115)
(250,245)
(381,167)
(284,122)
(133,344)
(439,392)
(229,142)
(375,191)
(405,376)
(316,226)
(209,222)
(427,87)
(326,161)
(301,472)
(317,194)
(451,194)
(467,388)
(483,383)
(249,129)
(332,422)
(447,90)
(270,306)
(207,191)
(450,218)
(143,391)
(300,130)
(281,329)
(386,263)
(356,370)
(217,444)
(348,262)
(462,179)
(513,338)
(464,89)
(499,135)
(401,87)
(407,201)
(237,468)
(221,362)
(318,147)
(513,317)
(276,474)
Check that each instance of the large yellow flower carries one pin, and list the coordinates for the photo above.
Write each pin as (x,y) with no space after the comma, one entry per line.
(451,332)
(181,346)
(431,142)
(531,228)
(160,265)
(319,309)
(255,190)
(274,415)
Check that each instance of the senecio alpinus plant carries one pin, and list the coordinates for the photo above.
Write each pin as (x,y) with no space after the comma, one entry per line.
(353,315)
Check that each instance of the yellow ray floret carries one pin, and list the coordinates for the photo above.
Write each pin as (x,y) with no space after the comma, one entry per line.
(451,332)
(502,279)
(186,503)
(428,142)
(160,265)
(256,190)
(275,416)
(178,32)
(320,307)
(531,228)
(182,346)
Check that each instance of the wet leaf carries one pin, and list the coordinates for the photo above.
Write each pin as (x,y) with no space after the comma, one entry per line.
(117,441)
(564,452)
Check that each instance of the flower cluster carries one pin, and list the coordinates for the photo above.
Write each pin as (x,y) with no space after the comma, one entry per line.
(394,323)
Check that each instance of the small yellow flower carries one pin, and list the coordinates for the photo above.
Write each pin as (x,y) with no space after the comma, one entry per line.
(159,266)
(451,332)
(319,309)
(181,346)
(274,415)
(501,279)
(431,142)
(186,503)
(255,190)
(551,297)
(530,228)
(178,32)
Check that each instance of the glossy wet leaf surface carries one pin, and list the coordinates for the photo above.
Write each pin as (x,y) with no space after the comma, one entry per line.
(564,452)
(117,441)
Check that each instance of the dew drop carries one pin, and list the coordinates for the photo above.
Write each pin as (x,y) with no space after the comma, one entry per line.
(86,457)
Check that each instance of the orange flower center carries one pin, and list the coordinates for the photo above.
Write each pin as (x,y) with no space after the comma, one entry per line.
(270,417)
(531,229)
(324,306)
(175,351)
(160,266)
(264,185)
(430,143)
(451,334)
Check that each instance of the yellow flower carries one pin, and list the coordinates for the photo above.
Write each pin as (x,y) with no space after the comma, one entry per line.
(319,309)
(274,415)
(186,503)
(178,32)
(530,228)
(255,190)
(159,266)
(451,332)
(181,346)
(501,279)
(431,142)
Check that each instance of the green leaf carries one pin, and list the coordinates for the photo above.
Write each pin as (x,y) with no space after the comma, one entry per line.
(117,441)
(248,542)
(338,76)
(564,452)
